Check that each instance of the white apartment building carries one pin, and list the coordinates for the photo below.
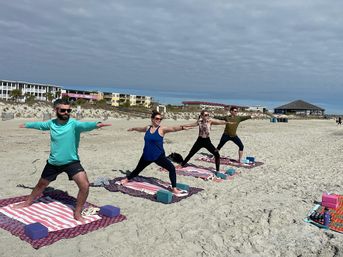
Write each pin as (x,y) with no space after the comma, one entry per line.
(39,91)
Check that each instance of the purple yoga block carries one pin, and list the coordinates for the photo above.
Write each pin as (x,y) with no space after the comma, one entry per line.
(36,231)
(109,211)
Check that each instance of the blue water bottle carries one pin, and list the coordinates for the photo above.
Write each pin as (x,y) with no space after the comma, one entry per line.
(326,217)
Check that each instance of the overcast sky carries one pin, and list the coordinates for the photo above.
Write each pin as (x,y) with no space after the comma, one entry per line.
(246,49)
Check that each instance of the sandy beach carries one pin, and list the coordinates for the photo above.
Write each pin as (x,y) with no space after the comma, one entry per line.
(259,213)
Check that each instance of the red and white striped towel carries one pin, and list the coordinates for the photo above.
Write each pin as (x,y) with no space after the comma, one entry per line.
(194,171)
(143,187)
(49,212)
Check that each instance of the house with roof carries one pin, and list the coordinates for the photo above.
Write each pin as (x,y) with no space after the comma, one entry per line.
(299,107)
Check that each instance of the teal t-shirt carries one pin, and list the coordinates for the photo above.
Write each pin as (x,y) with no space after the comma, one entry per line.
(65,138)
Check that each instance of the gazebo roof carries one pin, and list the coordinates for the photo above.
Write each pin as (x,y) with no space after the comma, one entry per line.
(299,105)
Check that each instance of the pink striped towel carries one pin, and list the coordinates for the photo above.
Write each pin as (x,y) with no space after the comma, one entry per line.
(143,187)
(49,212)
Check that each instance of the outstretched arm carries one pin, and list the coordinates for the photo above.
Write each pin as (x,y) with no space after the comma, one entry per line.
(191,125)
(175,129)
(40,125)
(85,126)
(100,124)
(243,118)
(218,122)
(138,129)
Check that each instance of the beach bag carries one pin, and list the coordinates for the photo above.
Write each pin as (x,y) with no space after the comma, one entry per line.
(175,157)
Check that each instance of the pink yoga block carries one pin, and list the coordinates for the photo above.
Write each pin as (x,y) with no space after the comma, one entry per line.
(330,198)
(109,211)
(330,205)
(36,231)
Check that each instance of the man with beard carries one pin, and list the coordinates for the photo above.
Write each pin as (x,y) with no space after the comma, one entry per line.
(65,138)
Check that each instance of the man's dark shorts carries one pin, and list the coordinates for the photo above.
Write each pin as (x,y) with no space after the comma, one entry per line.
(51,172)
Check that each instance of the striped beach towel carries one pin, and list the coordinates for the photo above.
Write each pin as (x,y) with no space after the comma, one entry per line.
(228,161)
(145,187)
(16,227)
(192,170)
(51,213)
(196,171)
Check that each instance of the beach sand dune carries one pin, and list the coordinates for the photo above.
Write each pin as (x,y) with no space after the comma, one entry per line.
(259,213)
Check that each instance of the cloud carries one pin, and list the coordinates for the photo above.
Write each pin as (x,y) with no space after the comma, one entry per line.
(224,47)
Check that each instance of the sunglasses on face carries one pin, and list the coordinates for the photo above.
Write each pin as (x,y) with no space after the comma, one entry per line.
(64,110)
(206,114)
(234,111)
(157,118)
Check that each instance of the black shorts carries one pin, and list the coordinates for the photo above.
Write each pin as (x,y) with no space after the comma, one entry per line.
(51,172)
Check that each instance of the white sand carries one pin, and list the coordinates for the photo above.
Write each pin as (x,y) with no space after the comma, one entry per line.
(259,213)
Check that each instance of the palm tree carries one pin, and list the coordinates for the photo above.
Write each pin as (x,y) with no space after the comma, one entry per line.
(16,94)
(30,99)
(49,96)
(58,94)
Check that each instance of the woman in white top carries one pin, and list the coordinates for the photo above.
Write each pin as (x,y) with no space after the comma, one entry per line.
(204,122)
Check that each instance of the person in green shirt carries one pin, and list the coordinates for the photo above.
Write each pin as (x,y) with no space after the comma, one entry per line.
(65,138)
(230,131)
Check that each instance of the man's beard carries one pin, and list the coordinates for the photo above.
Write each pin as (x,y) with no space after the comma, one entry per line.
(62,116)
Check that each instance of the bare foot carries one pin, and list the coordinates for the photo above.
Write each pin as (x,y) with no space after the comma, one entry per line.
(179,193)
(78,217)
(124,181)
(175,190)
(22,205)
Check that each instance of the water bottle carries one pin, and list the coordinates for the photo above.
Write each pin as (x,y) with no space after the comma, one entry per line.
(326,217)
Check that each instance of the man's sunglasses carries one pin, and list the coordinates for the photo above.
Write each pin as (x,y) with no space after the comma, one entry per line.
(61,110)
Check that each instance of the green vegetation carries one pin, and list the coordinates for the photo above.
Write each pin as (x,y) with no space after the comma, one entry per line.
(16,94)
(29,99)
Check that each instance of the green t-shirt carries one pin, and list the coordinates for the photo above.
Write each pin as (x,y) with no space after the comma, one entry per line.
(231,128)
(65,138)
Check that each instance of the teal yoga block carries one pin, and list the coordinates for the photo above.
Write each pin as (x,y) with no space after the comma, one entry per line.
(164,196)
(182,186)
(251,159)
(36,231)
(230,171)
(221,175)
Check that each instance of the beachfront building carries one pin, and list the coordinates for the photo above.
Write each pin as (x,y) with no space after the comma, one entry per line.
(257,109)
(131,100)
(74,94)
(210,106)
(40,92)
(205,105)
(299,107)
(107,96)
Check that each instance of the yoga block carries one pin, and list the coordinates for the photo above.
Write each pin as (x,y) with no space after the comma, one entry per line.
(182,186)
(164,196)
(330,205)
(109,211)
(251,159)
(221,175)
(330,198)
(36,231)
(230,171)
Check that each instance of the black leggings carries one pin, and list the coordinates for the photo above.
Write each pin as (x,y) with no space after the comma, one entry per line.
(200,143)
(162,161)
(225,138)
